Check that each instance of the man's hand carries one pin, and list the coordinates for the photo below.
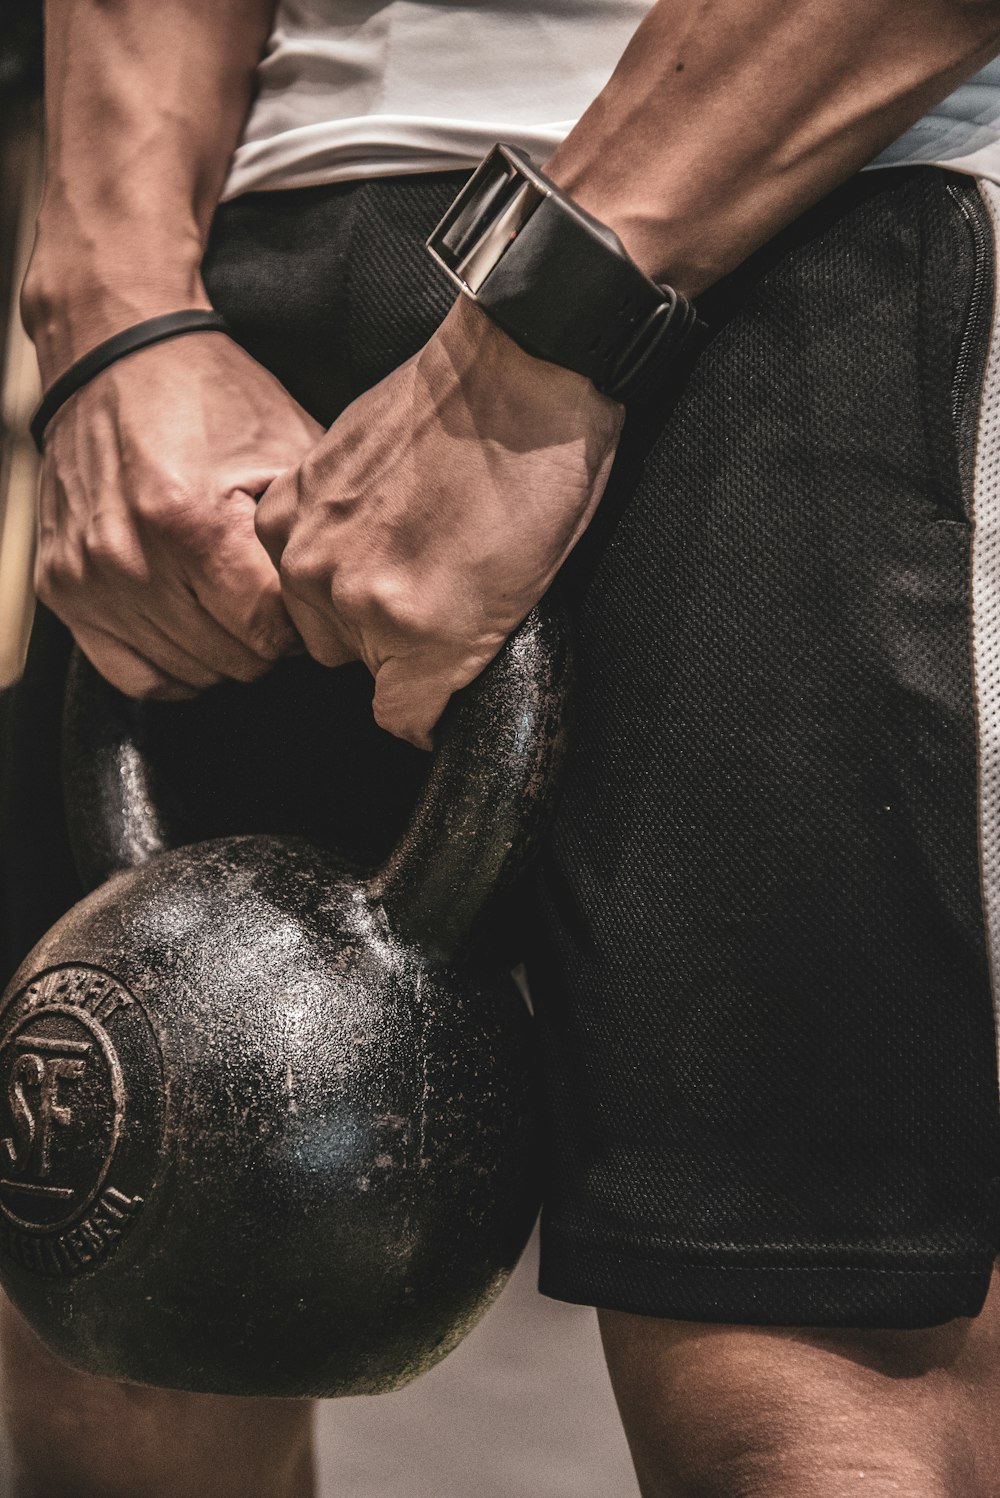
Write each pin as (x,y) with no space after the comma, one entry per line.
(436,511)
(146,547)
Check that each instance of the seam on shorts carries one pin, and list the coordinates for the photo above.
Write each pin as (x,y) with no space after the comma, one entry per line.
(748,1265)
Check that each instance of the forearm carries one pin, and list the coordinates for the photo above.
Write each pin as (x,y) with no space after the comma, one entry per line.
(144,105)
(727,118)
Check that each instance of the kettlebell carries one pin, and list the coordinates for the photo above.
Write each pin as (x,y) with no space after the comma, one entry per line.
(267,1121)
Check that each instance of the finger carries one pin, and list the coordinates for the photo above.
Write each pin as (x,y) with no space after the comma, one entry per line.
(117,592)
(409,701)
(239,588)
(273,517)
(193,628)
(305,589)
(167,653)
(318,634)
(165,624)
(247,634)
(96,618)
(126,669)
(189,644)
(164,618)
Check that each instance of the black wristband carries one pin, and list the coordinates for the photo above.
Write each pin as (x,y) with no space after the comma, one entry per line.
(129,341)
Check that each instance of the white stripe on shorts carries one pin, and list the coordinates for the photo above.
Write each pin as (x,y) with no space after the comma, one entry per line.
(986,614)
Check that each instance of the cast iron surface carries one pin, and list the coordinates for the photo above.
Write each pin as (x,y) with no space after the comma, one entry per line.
(267,1123)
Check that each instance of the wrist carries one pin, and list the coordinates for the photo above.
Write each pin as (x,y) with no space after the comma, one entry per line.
(673,236)
(491,367)
(82,289)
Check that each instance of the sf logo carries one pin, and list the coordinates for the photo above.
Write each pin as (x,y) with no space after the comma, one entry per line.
(38,1099)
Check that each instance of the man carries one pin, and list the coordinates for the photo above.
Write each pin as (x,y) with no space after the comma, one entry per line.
(762,963)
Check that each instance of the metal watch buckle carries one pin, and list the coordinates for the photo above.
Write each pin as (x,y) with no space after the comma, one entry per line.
(486,217)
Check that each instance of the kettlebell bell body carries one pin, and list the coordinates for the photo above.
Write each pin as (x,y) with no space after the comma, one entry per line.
(267,1124)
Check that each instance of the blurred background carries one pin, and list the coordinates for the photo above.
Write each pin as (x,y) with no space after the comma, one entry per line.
(20,181)
(523,1408)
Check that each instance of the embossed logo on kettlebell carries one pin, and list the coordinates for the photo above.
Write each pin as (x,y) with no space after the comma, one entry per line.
(75,1168)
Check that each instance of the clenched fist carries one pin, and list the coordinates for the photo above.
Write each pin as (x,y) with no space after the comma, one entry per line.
(435,513)
(147,548)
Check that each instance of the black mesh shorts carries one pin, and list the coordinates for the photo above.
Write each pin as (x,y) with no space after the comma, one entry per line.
(759,935)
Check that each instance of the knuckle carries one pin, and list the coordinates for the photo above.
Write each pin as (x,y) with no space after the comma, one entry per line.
(405,610)
(269,632)
(106,551)
(53,575)
(347,599)
(169,492)
(60,575)
(270,639)
(173,512)
(361,596)
(269,648)
(300,572)
(101,555)
(45,590)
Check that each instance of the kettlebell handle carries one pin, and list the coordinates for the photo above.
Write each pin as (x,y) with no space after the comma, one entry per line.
(498,750)
(498,753)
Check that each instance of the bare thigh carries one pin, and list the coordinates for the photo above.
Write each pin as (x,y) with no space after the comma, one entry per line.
(74,1436)
(743,1412)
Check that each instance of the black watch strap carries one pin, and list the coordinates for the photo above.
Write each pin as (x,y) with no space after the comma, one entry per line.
(558,282)
(129,341)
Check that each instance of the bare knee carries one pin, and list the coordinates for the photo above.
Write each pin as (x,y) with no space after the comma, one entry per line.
(82,1437)
(744,1412)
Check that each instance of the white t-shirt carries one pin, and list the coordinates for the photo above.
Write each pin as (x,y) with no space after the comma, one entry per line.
(365,88)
